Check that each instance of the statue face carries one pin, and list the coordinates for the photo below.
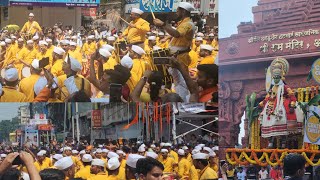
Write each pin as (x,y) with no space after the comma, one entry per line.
(276,79)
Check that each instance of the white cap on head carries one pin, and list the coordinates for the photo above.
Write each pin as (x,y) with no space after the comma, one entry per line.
(195,151)
(153,146)
(11,75)
(108,47)
(155,48)
(112,154)
(48,40)
(113,163)
(104,52)
(206,47)
(105,150)
(67,149)
(162,144)
(127,62)
(36,37)
(181,152)
(185,148)
(199,38)
(100,146)
(98,150)
(200,156)
(2,43)
(137,49)
(152,38)
(67,37)
(161,34)
(120,152)
(75,64)
(215,148)
(73,43)
(31,15)
(35,64)
(132,160)
(111,38)
(57,156)
(201,145)
(29,42)
(86,158)
(164,151)
(200,34)
(152,155)
(41,43)
(211,35)
(141,149)
(8,41)
(185,5)
(97,162)
(209,150)
(3,155)
(40,153)
(58,50)
(20,40)
(82,152)
(64,163)
(212,154)
(137,11)
(13,37)
(64,42)
(75,152)
(91,37)
(74,37)
(167,145)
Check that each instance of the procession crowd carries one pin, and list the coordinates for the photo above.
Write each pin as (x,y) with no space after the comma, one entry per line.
(147,62)
(110,161)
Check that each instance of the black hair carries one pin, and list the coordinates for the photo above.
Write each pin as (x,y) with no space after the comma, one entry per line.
(204,162)
(119,75)
(155,81)
(12,83)
(131,169)
(80,96)
(134,150)
(210,70)
(292,163)
(51,174)
(145,165)
(11,174)
(86,163)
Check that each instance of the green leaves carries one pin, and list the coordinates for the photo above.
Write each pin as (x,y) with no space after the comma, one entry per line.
(314,100)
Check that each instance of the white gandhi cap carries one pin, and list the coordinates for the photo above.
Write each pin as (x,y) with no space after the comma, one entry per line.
(185,5)
(200,156)
(127,62)
(108,47)
(97,162)
(35,64)
(181,152)
(31,15)
(75,64)
(137,49)
(113,163)
(206,47)
(105,53)
(152,155)
(86,158)
(57,156)
(112,154)
(137,11)
(58,50)
(132,160)
(11,75)
(64,163)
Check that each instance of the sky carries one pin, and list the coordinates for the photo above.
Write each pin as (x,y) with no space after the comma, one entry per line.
(9,110)
(231,13)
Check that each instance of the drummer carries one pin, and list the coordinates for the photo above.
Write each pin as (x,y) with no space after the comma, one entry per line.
(27,84)
(44,53)
(138,27)
(9,92)
(89,47)
(73,51)
(31,27)
(58,54)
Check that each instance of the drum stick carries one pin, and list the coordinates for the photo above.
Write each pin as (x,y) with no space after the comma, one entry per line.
(123,19)
(154,17)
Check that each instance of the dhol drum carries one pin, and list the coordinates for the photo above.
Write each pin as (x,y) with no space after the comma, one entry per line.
(25,72)
(119,47)
(162,68)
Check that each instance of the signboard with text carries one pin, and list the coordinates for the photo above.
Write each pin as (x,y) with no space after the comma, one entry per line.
(270,44)
(70,3)
(312,126)
(96,118)
(38,121)
(156,5)
(31,138)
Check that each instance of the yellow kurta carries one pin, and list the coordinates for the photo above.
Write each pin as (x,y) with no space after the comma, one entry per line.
(110,63)
(83,173)
(184,168)
(174,155)
(31,27)
(78,164)
(186,30)
(76,54)
(139,67)
(168,164)
(56,69)
(42,166)
(208,173)
(137,34)
(193,173)
(122,173)
(207,60)
(11,56)
(99,176)
(26,86)
(10,94)
(89,49)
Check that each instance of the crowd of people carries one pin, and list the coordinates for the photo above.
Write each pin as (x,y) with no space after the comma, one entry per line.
(145,161)
(162,62)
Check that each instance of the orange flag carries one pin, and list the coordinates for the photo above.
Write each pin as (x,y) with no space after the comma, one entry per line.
(135,119)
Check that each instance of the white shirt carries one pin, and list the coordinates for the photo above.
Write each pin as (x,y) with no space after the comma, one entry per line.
(241,176)
(263,174)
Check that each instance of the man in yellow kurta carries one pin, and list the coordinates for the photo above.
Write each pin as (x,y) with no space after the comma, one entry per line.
(66,165)
(90,46)
(57,55)
(97,170)
(26,85)
(167,161)
(139,64)
(183,164)
(25,56)
(206,54)
(31,26)
(182,35)
(50,45)
(84,173)
(138,28)
(200,161)
(12,55)
(44,53)
(9,92)
(73,51)
(163,43)
(78,165)
(40,164)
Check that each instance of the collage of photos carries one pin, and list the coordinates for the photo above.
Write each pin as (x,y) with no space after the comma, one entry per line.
(109,90)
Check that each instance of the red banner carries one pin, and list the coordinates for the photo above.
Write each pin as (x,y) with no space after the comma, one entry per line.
(44,127)
(96,118)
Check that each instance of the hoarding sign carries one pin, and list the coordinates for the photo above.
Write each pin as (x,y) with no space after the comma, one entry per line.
(38,121)
(156,5)
(96,118)
(312,126)
(70,3)
(44,127)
